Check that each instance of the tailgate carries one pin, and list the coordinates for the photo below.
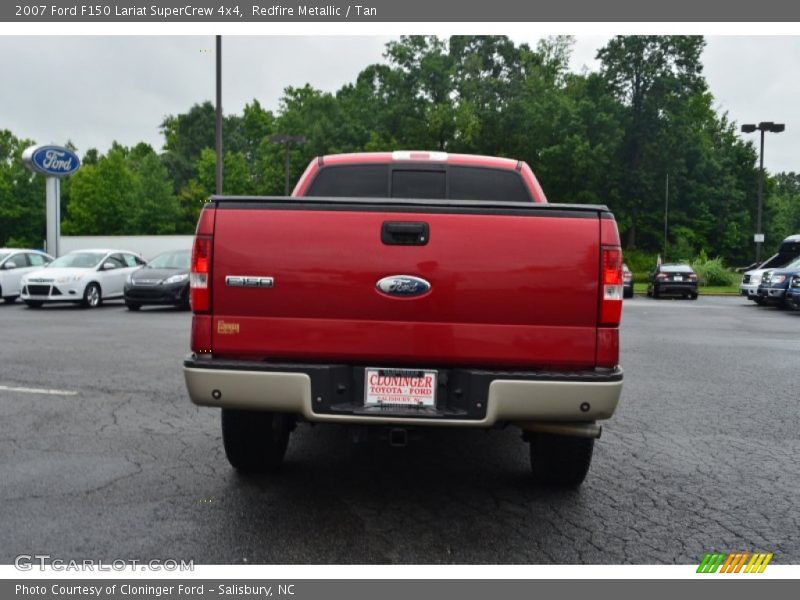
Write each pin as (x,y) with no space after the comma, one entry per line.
(507,287)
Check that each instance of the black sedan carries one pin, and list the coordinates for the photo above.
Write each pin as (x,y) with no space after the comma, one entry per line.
(627,282)
(673,279)
(164,281)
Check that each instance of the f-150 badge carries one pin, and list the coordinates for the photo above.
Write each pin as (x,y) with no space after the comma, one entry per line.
(403,285)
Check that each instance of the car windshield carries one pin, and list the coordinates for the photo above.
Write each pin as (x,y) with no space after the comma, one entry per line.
(171,260)
(3,255)
(78,260)
(676,269)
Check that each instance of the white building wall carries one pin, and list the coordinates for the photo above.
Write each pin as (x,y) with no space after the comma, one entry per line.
(146,245)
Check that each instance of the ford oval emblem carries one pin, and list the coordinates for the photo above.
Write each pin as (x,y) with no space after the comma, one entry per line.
(403,286)
(54,161)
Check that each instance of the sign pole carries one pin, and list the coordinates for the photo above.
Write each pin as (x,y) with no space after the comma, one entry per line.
(53,202)
(54,162)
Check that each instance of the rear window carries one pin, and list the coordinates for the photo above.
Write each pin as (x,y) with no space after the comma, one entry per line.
(419,184)
(355,181)
(470,183)
(464,183)
(790,248)
(676,269)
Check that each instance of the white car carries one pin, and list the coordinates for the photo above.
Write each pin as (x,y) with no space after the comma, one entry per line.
(84,276)
(14,264)
(788,251)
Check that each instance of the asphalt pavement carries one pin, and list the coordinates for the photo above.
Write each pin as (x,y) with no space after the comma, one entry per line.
(103,456)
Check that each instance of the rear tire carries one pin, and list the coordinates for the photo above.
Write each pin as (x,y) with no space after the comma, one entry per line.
(255,441)
(759,300)
(656,293)
(560,460)
(10,299)
(34,303)
(692,296)
(133,306)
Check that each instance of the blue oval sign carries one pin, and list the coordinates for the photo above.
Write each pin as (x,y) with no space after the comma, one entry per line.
(54,161)
(403,285)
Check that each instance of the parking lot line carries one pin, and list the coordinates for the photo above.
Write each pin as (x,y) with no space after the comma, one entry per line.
(27,390)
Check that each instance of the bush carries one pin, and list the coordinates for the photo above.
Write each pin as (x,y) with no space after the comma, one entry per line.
(639,261)
(712,271)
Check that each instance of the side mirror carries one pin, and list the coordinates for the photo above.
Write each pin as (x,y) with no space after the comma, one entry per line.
(10,264)
(108,266)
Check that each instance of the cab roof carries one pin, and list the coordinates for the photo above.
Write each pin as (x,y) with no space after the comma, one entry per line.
(400,156)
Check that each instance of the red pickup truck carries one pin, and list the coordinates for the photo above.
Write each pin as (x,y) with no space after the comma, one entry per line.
(408,289)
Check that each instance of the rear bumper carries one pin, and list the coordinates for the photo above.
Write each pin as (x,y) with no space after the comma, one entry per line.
(676,287)
(465,398)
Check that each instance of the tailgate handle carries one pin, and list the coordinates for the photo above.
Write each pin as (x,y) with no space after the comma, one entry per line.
(405,233)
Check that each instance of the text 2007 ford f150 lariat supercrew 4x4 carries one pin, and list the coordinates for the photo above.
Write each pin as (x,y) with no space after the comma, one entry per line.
(402,290)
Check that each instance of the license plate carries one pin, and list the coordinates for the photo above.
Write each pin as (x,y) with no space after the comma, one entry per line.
(678,278)
(400,387)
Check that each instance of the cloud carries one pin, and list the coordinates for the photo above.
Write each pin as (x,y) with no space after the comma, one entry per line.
(93,90)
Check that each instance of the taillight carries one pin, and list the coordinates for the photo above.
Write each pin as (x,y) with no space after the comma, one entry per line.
(692,276)
(611,279)
(662,276)
(200,275)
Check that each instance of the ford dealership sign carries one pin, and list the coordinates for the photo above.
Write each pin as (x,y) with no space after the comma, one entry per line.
(53,161)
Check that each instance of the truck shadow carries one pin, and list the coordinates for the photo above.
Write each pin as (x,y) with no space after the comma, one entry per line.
(448,497)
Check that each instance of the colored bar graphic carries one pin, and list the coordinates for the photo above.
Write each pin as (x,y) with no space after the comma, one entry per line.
(714,565)
(739,566)
(728,564)
(711,562)
(734,562)
(752,562)
(758,563)
(766,562)
(703,563)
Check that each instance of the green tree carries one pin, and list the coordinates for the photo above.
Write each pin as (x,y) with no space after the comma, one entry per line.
(781,209)
(22,196)
(650,75)
(157,210)
(103,198)
(185,136)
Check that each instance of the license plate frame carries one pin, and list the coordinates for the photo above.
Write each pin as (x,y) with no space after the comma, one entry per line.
(400,387)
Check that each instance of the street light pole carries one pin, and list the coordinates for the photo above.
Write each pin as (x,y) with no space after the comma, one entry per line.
(762,127)
(759,231)
(219,116)
(666,216)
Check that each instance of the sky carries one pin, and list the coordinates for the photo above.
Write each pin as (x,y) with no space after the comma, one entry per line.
(93,90)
